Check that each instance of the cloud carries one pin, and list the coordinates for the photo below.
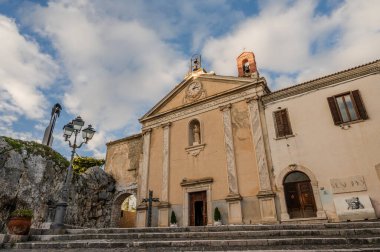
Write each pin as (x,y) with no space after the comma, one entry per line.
(289,38)
(114,67)
(24,72)
(120,57)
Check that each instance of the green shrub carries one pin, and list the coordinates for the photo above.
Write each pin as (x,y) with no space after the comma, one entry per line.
(22,213)
(173,218)
(217,216)
(81,164)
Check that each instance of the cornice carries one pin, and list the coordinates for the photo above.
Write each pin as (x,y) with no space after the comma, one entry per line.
(217,78)
(124,139)
(194,182)
(349,74)
(212,102)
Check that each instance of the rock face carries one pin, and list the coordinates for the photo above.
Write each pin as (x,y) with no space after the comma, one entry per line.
(32,175)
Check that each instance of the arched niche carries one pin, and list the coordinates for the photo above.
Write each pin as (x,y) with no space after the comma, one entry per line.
(194,132)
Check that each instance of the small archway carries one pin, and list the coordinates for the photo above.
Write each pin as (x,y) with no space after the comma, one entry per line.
(299,195)
(246,67)
(124,210)
(128,212)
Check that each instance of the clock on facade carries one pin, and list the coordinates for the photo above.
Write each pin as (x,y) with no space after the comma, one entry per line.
(194,92)
(194,89)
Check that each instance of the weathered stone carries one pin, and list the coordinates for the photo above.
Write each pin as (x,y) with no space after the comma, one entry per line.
(32,175)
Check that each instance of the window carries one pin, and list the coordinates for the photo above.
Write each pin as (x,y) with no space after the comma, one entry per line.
(282,123)
(347,107)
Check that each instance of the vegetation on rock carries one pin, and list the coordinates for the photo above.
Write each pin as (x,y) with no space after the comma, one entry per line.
(81,164)
(36,149)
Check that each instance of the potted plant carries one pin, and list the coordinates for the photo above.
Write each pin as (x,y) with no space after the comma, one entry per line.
(217,217)
(173,220)
(20,221)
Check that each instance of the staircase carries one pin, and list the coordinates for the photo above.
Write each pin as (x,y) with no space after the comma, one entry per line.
(349,235)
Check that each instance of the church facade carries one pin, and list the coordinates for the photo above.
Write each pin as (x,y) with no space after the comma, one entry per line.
(256,155)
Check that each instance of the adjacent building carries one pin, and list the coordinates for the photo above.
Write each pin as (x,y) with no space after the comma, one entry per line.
(305,153)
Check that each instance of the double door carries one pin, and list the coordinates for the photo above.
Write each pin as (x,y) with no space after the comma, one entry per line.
(300,200)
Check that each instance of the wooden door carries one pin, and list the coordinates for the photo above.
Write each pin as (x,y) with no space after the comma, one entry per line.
(198,208)
(307,199)
(300,200)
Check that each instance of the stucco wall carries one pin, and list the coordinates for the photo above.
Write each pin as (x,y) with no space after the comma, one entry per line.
(155,162)
(246,164)
(326,149)
(210,162)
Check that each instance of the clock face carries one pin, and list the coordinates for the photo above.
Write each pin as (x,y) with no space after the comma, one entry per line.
(194,88)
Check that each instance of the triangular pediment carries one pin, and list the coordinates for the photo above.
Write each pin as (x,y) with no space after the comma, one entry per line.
(194,89)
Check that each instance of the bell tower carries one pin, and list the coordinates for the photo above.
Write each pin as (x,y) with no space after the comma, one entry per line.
(246,65)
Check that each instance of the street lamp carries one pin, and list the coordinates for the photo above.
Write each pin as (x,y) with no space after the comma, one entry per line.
(73,127)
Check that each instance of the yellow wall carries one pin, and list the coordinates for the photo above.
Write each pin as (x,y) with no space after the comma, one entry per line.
(155,162)
(211,162)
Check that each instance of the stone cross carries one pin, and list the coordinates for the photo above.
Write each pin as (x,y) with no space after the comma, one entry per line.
(150,200)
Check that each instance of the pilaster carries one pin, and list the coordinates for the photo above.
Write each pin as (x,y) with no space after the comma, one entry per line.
(144,170)
(163,210)
(233,198)
(265,195)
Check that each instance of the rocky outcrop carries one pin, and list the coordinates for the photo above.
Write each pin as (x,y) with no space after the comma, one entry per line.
(32,175)
(91,199)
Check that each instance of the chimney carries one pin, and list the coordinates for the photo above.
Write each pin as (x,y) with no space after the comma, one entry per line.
(246,65)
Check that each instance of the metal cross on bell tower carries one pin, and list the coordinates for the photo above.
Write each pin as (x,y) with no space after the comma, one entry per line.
(150,200)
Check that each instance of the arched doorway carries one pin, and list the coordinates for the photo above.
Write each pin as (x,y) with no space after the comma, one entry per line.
(299,195)
(128,212)
(123,208)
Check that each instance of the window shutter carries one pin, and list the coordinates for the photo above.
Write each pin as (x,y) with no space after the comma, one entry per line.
(334,111)
(279,124)
(282,123)
(359,104)
(285,121)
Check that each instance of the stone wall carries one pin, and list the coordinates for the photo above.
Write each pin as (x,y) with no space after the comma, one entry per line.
(123,160)
(31,176)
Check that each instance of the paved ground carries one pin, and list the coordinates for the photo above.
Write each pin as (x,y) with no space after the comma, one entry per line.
(151,250)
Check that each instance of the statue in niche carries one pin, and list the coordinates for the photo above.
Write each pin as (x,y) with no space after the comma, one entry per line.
(354,203)
(196,134)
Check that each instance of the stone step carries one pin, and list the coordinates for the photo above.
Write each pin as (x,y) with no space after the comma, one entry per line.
(213,235)
(299,242)
(373,224)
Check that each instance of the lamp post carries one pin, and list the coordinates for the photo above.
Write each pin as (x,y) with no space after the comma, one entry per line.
(72,128)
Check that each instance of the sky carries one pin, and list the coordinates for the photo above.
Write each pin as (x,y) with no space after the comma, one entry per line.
(111,61)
